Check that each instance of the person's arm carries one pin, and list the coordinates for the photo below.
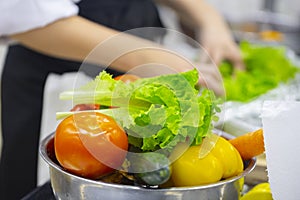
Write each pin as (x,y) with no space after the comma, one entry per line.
(214,33)
(69,38)
(76,38)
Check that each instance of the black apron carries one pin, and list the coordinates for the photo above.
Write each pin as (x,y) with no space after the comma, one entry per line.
(22,86)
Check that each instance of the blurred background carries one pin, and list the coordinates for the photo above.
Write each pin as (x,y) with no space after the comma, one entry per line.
(277,20)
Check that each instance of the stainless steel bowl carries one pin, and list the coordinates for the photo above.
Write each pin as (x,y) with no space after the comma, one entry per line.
(68,186)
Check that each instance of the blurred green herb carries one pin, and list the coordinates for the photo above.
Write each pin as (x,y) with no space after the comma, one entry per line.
(266,68)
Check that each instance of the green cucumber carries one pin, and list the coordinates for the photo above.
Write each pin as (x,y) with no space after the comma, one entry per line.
(150,169)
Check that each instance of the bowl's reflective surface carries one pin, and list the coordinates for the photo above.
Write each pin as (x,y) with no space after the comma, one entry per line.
(67,186)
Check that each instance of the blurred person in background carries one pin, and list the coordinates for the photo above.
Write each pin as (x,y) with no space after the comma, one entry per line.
(55,36)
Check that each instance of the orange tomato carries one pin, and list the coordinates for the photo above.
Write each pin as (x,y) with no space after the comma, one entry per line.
(90,144)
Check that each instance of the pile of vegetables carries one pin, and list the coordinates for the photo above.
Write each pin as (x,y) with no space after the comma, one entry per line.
(266,68)
(146,132)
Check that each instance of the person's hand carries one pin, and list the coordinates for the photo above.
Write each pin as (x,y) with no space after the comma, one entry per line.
(208,26)
(219,46)
(210,77)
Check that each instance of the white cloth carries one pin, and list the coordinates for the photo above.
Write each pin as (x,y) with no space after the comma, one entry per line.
(55,84)
(281,136)
(22,15)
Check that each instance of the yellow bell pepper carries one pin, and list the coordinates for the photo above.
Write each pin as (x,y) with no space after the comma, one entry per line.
(222,162)
(261,191)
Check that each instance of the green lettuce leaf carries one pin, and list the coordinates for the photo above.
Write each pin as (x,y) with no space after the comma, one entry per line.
(156,112)
(266,68)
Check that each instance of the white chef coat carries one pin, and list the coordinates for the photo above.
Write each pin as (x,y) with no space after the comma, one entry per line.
(22,15)
(18,16)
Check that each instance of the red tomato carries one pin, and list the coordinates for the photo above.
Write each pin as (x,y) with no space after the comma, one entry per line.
(127,78)
(80,107)
(90,144)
